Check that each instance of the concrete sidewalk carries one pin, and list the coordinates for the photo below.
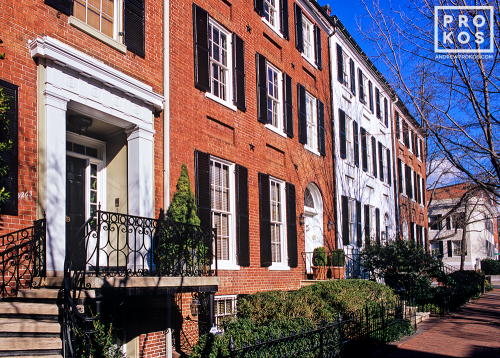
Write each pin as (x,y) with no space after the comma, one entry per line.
(473,331)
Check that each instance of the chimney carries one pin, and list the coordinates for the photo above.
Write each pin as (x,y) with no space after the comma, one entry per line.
(327,8)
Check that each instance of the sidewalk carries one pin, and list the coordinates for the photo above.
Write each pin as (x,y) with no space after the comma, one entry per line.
(473,331)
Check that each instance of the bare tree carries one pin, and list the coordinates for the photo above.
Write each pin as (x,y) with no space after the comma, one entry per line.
(456,98)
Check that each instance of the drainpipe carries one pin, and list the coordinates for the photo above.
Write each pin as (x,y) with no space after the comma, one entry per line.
(166,150)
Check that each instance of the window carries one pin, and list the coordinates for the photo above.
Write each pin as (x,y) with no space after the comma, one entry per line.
(219,49)
(448,223)
(352,220)
(345,69)
(312,123)
(398,126)
(349,140)
(278,252)
(377,103)
(98,14)
(369,161)
(274,98)
(489,225)
(405,230)
(435,249)
(385,161)
(433,224)
(401,177)
(458,220)
(222,197)
(373,223)
(271,13)
(224,309)
(308,35)
(364,81)
(457,249)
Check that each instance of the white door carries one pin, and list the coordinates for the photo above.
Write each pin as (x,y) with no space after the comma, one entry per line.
(313,222)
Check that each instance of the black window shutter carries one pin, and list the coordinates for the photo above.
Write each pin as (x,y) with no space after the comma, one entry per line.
(364,152)
(343,143)
(419,196)
(134,27)
(239,96)
(301,101)
(261,88)
(386,113)
(64,6)
(340,64)
(389,174)
(356,142)
(377,219)
(415,185)
(361,88)
(243,223)
(450,248)
(377,103)
(374,156)
(400,176)
(370,94)
(9,180)
(359,237)
(201,53)
(421,150)
(353,77)
(423,192)
(367,225)
(259,7)
(345,220)
(202,187)
(412,232)
(285,27)
(317,40)
(441,248)
(398,134)
(321,128)
(381,161)
(299,39)
(288,108)
(405,134)
(293,259)
(265,220)
(408,180)
(413,142)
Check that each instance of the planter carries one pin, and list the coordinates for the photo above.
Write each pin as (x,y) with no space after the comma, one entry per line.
(338,272)
(320,272)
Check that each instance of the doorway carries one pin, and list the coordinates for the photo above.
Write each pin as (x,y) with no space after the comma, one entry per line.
(75,208)
(313,222)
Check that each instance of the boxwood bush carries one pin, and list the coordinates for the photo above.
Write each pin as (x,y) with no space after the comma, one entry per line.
(490,267)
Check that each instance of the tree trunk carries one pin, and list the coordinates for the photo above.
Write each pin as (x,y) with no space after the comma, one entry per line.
(463,244)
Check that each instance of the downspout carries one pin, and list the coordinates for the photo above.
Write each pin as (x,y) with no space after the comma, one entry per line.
(166,150)
(395,166)
(332,123)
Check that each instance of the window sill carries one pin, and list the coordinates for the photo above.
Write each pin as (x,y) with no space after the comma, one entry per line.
(313,151)
(309,60)
(218,100)
(73,21)
(275,30)
(227,267)
(275,130)
(279,267)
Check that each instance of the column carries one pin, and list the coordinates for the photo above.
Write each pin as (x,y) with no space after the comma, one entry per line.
(55,190)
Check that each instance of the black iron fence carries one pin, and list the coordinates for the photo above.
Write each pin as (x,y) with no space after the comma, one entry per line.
(350,333)
(113,244)
(22,257)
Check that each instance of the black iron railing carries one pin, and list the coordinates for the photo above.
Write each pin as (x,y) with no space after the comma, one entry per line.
(22,257)
(349,333)
(114,244)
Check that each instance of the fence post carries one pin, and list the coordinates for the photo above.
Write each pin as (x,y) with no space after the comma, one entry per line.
(98,229)
(341,334)
(382,310)
(232,346)
(322,328)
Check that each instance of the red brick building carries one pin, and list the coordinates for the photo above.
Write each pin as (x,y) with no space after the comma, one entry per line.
(250,116)
(409,144)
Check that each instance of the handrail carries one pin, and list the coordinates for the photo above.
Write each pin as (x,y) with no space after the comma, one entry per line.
(22,257)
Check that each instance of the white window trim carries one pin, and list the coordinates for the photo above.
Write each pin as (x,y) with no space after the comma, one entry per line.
(230,264)
(352,224)
(276,28)
(349,139)
(419,157)
(283,265)
(229,84)
(280,129)
(313,147)
(234,300)
(453,248)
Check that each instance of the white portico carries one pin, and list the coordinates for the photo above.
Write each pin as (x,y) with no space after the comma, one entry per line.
(112,159)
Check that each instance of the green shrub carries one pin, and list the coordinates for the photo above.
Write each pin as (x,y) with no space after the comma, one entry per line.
(469,282)
(338,257)
(490,267)
(101,344)
(319,256)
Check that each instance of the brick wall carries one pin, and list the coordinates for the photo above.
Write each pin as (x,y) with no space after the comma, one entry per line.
(26,20)
(200,123)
